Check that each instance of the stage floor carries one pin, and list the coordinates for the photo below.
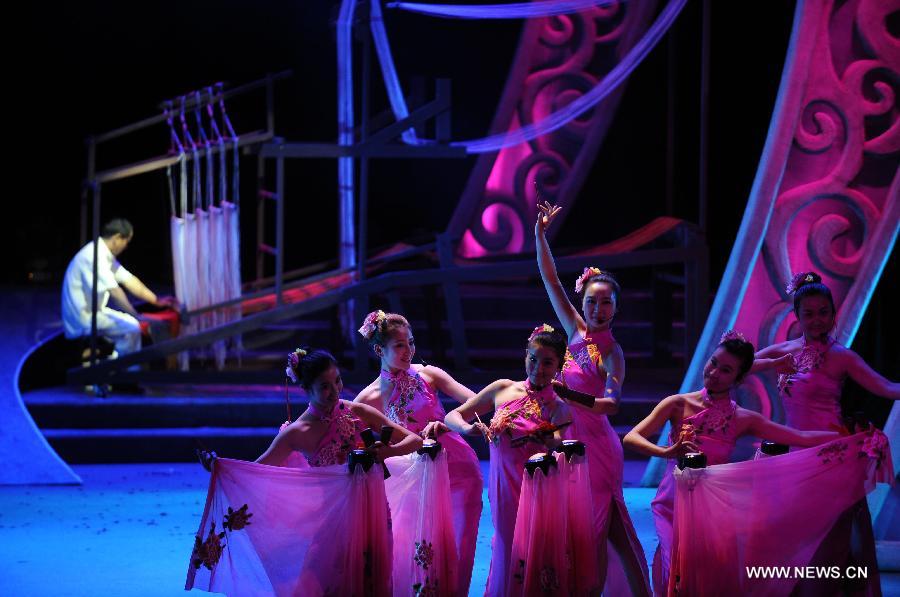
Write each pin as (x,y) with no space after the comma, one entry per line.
(129,530)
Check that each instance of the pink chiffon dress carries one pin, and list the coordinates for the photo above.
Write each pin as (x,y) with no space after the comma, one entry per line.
(554,548)
(583,371)
(319,530)
(811,398)
(425,552)
(413,404)
(513,420)
(715,434)
(812,402)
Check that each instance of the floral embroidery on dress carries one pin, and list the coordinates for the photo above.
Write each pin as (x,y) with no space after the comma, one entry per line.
(519,575)
(587,357)
(235,520)
(875,446)
(399,409)
(808,359)
(549,579)
(833,451)
(567,361)
(336,450)
(207,553)
(423,555)
(714,419)
(505,417)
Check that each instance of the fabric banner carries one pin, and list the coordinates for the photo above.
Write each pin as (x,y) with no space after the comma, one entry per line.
(554,548)
(425,553)
(269,530)
(769,512)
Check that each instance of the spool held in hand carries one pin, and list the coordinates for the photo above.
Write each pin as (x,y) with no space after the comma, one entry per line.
(360,457)
(772,449)
(430,447)
(692,460)
(571,447)
(542,461)
(368,436)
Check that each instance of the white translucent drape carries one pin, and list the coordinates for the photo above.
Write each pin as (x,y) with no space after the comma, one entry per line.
(425,556)
(205,238)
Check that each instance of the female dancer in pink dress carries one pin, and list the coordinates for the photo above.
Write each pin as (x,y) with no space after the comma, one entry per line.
(407,394)
(329,428)
(810,386)
(707,421)
(278,530)
(812,371)
(526,421)
(595,366)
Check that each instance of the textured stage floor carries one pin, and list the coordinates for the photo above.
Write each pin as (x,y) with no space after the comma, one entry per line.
(129,531)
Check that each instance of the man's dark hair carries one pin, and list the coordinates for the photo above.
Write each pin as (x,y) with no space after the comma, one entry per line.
(117,226)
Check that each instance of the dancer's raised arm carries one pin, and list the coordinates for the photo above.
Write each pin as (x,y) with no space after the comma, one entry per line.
(566,312)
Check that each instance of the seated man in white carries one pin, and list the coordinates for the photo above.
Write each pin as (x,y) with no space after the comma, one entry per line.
(121,323)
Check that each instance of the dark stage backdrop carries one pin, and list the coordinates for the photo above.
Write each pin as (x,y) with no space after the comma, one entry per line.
(79,68)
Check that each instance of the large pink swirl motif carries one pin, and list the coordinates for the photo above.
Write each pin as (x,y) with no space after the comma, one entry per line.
(559,59)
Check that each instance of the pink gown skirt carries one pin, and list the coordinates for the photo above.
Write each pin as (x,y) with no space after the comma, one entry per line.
(554,550)
(772,512)
(504,485)
(426,560)
(465,496)
(606,460)
(314,531)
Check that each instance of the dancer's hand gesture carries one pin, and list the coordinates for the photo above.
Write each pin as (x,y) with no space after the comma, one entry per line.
(434,429)
(784,365)
(680,448)
(485,431)
(379,451)
(206,458)
(545,216)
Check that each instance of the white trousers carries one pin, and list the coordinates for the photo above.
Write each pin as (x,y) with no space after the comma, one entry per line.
(121,328)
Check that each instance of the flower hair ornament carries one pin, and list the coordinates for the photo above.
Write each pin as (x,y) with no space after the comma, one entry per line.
(371,323)
(540,330)
(587,274)
(732,335)
(293,362)
(800,280)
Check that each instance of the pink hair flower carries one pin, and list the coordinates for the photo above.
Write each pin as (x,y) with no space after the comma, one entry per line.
(370,323)
(541,329)
(587,274)
(732,335)
(799,280)
(293,362)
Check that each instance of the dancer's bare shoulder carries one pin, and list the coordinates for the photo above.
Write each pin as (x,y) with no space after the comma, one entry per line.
(780,349)
(371,394)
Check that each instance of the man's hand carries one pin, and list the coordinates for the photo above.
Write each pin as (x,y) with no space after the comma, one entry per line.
(167,301)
